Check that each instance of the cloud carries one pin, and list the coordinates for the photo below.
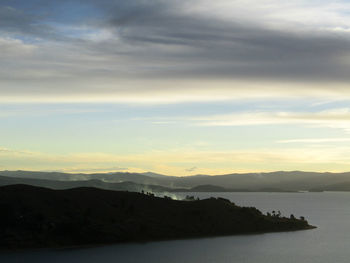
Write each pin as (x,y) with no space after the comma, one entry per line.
(135,50)
(15,48)
(24,23)
(6,151)
(318,140)
(200,44)
(47,110)
(332,118)
(192,169)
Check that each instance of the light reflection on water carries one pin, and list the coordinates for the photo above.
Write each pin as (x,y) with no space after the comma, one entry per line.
(328,243)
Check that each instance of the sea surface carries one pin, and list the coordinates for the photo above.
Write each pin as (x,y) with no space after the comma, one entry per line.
(330,242)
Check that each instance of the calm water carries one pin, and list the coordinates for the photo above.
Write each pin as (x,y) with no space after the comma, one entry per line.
(330,242)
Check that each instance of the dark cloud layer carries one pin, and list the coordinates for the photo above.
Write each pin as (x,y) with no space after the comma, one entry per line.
(230,48)
(160,39)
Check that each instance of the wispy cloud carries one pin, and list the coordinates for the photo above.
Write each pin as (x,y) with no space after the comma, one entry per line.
(6,151)
(15,48)
(318,140)
(192,169)
(332,118)
(11,111)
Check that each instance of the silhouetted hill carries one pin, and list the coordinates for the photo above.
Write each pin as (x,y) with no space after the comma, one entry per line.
(281,181)
(106,177)
(154,175)
(209,188)
(218,189)
(59,185)
(123,186)
(41,217)
(204,188)
(344,186)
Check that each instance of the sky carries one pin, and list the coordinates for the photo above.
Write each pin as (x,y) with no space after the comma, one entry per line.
(175,87)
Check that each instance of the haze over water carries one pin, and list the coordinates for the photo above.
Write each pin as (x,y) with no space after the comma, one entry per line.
(330,212)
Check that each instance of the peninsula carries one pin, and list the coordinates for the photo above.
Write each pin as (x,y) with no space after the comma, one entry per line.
(40,217)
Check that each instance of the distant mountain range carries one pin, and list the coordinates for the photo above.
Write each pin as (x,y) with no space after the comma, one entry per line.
(267,182)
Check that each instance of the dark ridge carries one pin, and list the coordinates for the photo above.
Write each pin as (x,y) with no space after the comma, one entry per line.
(120,186)
(275,181)
(64,184)
(208,188)
(340,187)
(40,217)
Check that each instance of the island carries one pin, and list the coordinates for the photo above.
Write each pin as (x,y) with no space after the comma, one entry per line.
(36,217)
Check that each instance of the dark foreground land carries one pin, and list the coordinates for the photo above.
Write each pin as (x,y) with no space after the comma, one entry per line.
(40,217)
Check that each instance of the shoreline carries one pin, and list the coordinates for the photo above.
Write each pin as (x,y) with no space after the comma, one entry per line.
(97,245)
